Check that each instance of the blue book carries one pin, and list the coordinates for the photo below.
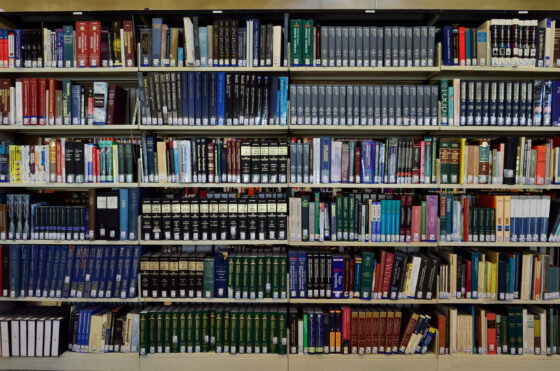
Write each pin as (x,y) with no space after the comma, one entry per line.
(32,270)
(51,289)
(185,97)
(59,48)
(61,271)
(447,45)
(41,261)
(125,273)
(76,98)
(82,272)
(134,268)
(337,276)
(325,159)
(180,56)
(273,106)
(49,268)
(198,98)
(204,99)
(517,284)
(119,271)
(302,274)
(191,95)
(68,45)
(311,332)
(133,212)
(221,97)
(77,345)
(112,272)
(468,47)
(77,263)
(94,288)
(105,261)
(319,328)
(68,272)
(256,41)
(156,41)
(293,269)
(283,82)
(383,225)
(220,274)
(24,279)
(203,46)
(90,268)
(213,94)
(123,213)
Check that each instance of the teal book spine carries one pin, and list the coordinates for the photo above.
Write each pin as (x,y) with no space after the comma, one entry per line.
(123,213)
(283,96)
(203,46)
(383,220)
(68,46)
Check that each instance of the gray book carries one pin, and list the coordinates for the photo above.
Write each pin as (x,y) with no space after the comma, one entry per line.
(427,105)
(293,104)
(416,46)
(409,47)
(342,105)
(306,162)
(370,105)
(299,104)
(420,105)
(325,46)
(307,104)
(356,104)
(377,104)
(529,103)
(299,163)
(384,105)
(332,46)
(345,46)
(349,105)
(387,39)
(293,162)
(412,105)
(398,105)
(522,100)
(328,105)
(515,105)
(365,47)
(380,45)
(321,105)
(363,105)
(314,104)
(424,46)
(395,46)
(352,46)
(508,101)
(470,101)
(359,50)
(406,105)
(435,92)
(335,104)
(372,46)
(402,46)
(432,45)
(338,50)
(391,105)
(486,102)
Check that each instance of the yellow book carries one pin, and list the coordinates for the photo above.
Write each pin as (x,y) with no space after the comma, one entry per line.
(408,277)
(499,218)
(507,217)
(95,329)
(12,164)
(462,162)
(52,161)
(17,164)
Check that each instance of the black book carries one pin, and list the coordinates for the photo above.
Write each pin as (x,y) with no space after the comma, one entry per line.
(153,283)
(252,222)
(146,221)
(252,99)
(69,160)
(227,43)
(101,216)
(204,219)
(164,275)
(321,279)
(196,41)
(176,226)
(185,219)
(183,275)
(195,219)
(214,220)
(232,225)
(246,166)
(157,226)
(233,38)
(272,223)
(421,277)
(262,46)
(79,176)
(191,275)
(145,274)
(264,162)
(173,275)
(199,274)
(281,216)
(283,162)
(242,218)
(262,216)
(273,147)
(220,30)
(265,93)
(256,161)
(269,44)
(259,100)
(166,219)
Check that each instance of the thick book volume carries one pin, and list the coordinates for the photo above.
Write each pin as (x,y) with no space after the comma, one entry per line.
(366,275)
(215,216)
(212,98)
(364,105)
(61,160)
(503,161)
(364,331)
(34,331)
(366,217)
(46,101)
(235,273)
(73,271)
(86,44)
(501,103)
(501,43)
(233,329)
(214,160)
(391,161)
(511,330)
(220,43)
(498,275)
(314,45)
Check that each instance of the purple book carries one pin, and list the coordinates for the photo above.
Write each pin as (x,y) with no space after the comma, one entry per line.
(431,222)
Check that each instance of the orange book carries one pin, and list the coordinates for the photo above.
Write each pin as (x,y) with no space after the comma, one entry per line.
(490,332)
(541,164)
(441,323)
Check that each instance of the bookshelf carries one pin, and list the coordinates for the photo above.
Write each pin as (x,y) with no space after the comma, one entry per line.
(368,75)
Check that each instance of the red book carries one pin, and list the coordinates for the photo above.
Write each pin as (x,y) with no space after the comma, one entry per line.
(129,44)
(361,332)
(33,101)
(441,326)
(116,100)
(375,332)
(82,44)
(346,317)
(237,155)
(94,43)
(355,328)
(389,331)
(52,101)
(345,164)
(388,269)
(367,332)
(465,219)
(408,218)
(468,278)
(26,105)
(490,332)
(541,164)
(382,327)
(379,270)
(416,223)
(462,46)
(210,171)
(43,101)
(95,165)
(396,331)
(357,164)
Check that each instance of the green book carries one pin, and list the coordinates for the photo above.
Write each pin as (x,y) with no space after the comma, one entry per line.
(175,330)
(434,161)
(444,156)
(519,330)
(305,315)
(367,274)
(152,341)
(208,278)
(197,335)
(249,331)
(237,282)
(273,326)
(226,332)
(260,276)
(159,330)
(317,205)
(205,329)
(231,276)
(275,277)
(190,331)
(245,274)
(212,327)
(257,335)
(233,330)
(282,331)
(308,38)
(428,160)
(183,329)
(491,222)
(454,159)
(504,328)
(219,330)
(109,161)
(339,219)
(443,87)
(166,341)
(296,47)
(143,331)
(345,221)
(512,330)
(268,276)
(253,276)
(423,226)
(265,337)
(282,276)
(241,321)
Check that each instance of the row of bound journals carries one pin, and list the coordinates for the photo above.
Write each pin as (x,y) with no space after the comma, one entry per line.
(70,271)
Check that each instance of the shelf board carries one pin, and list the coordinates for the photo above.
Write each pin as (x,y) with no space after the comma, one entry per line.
(481,130)
(71,70)
(67,242)
(500,244)
(362,244)
(362,185)
(77,186)
(498,362)
(213,185)
(240,130)
(74,130)
(496,302)
(214,361)
(500,186)
(217,242)
(359,129)
(75,361)
(360,301)
(213,69)
(386,362)
(214,300)
(521,72)
(70,300)
(363,73)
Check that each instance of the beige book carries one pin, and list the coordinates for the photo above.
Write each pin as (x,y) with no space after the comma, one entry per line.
(276,46)
(162,162)
(210,45)
(95,329)
(456,101)
(189,41)
(173,46)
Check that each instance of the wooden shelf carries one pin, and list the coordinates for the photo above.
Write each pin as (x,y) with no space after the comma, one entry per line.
(312,301)
(67,242)
(214,69)
(501,130)
(70,300)
(497,302)
(362,185)
(363,73)
(360,130)
(500,186)
(497,362)
(336,362)
(214,361)
(72,130)
(75,361)
(471,72)
(64,186)
(362,244)
(239,130)
(214,300)
(217,242)
(499,244)
(213,185)
(71,70)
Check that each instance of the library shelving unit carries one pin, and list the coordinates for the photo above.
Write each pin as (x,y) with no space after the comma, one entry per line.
(369,75)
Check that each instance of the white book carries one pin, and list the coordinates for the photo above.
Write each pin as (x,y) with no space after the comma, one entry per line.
(55,339)
(189,41)
(123,59)
(5,336)
(100,89)
(300,348)
(31,338)
(416,262)
(22,337)
(544,210)
(336,161)
(19,102)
